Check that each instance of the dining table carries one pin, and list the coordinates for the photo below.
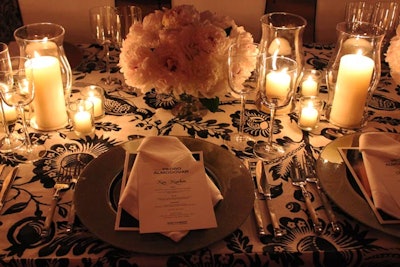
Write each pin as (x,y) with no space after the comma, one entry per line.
(131,115)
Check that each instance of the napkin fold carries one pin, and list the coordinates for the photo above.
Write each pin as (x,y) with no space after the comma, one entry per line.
(168,151)
(381,156)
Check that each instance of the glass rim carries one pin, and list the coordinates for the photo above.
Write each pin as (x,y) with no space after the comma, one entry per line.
(24,32)
(299,24)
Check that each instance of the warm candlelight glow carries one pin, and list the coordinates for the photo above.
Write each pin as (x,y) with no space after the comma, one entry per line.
(354,78)
(309,87)
(309,113)
(278,84)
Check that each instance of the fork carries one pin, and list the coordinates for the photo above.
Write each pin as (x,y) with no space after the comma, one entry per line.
(63,182)
(299,180)
(311,176)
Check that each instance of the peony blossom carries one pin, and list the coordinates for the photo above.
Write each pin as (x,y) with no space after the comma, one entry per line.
(181,51)
(393,56)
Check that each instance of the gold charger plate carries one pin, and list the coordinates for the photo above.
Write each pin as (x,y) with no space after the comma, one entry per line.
(97,187)
(339,184)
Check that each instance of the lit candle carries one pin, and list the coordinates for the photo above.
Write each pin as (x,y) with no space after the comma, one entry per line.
(309,116)
(9,112)
(309,87)
(354,45)
(351,91)
(83,122)
(95,94)
(277,84)
(43,47)
(280,47)
(97,105)
(49,103)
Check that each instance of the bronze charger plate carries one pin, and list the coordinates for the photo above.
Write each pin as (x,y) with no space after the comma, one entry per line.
(339,184)
(96,193)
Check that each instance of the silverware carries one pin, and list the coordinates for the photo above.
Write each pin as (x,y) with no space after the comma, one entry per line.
(256,206)
(311,176)
(8,181)
(264,189)
(298,179)
(63,182)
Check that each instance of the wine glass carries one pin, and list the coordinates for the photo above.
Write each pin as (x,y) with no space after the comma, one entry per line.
(105,28)
(19,95)
(10,141)
(277,84)
(128,15)
(243,61)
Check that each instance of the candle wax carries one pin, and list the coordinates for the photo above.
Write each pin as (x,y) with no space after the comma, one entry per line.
(280,47)
(83,122)
(98,108)
(308,117)
(351,91)
(309,87)
(277,85)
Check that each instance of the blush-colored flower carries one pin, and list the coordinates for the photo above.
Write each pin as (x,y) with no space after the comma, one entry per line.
(181,51)
(393,56)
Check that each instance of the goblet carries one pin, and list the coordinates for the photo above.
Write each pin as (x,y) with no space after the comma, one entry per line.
(105,26)
(10,141)
(128,15)
(243,61)
(277,84)
(19,95)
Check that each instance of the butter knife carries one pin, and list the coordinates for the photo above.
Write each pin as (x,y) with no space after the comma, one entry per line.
(256,206)
(264,188)
(7,184)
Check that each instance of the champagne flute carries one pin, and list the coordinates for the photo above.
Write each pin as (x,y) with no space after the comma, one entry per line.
(19,95)
(276,86)
(105,28)
(243,62)
(10,141)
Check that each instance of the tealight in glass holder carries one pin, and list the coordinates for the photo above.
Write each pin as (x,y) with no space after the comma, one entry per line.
(309,85)
(95,94)
(81,117)
(310,108)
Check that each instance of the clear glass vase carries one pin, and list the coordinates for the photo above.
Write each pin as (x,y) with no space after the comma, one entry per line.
(353,73)
(43,43)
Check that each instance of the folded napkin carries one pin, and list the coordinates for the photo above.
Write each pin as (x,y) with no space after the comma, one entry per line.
(381,155)
(166,151)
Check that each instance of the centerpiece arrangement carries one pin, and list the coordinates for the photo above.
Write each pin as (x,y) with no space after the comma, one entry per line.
(393,56)
(181,52)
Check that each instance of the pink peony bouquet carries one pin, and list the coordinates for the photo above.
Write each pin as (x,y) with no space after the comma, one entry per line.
(393,56)
(181,51)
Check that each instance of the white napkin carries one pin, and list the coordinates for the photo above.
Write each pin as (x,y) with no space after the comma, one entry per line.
(171,152)
(381,155)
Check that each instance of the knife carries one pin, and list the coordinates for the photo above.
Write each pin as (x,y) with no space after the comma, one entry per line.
(7,184)
(256,206)
(264,188)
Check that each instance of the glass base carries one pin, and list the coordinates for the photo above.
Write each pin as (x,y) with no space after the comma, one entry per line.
(31,154)
(10,143)
(268,152)
(239,141)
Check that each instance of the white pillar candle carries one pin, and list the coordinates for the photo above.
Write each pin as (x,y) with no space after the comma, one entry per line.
(277,84)
(309,87)
(280,47)
(351,91)
(49,102)
(83,122)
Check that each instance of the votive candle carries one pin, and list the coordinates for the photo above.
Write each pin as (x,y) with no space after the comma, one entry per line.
(309,112)
(81,116)
(95,94)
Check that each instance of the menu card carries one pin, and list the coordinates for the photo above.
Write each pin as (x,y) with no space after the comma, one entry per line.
(173,199)
(352,156)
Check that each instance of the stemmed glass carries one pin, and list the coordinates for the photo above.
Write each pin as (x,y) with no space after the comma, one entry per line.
(105,28)
(243,62)
(19,95)
(9,141)
(276,86)
(128,15)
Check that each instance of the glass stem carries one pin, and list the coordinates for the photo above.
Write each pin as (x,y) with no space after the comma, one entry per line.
(106,48)
(242,111)
(271,124)
(25,127)
(5,124)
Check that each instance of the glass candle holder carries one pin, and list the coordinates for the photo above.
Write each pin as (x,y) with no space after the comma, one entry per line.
(95,94)
(309,85)
(310,108)
(81,117)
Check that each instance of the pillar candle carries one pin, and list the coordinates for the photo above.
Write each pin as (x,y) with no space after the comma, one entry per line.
(49,103)
(280,47)
(351,91)
(277,84)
